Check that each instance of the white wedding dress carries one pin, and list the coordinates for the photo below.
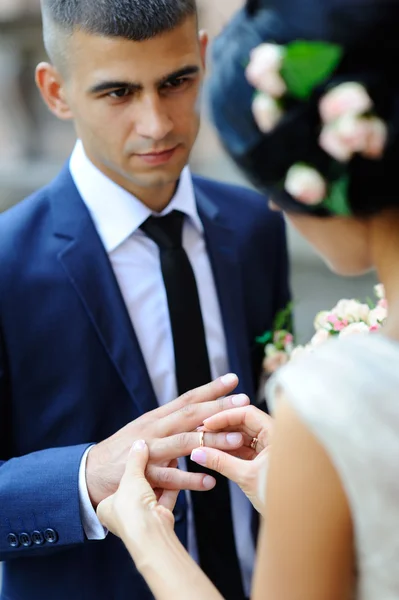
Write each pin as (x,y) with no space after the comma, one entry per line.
(347,394)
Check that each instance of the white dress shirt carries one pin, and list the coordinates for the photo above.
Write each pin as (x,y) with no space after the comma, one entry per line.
(134,257)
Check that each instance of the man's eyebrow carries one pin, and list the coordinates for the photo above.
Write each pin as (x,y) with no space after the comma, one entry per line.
(106,86)
(190,70)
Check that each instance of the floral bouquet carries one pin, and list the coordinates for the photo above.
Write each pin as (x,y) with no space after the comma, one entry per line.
(346,318)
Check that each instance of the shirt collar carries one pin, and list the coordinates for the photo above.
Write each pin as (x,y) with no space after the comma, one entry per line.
(115,212)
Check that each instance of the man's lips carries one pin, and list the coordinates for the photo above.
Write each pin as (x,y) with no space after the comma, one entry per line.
(157,157)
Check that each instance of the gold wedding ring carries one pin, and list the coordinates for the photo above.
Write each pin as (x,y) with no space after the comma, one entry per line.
(202,439)
(254,443)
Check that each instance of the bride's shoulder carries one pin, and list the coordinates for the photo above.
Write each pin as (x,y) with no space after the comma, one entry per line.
(346,357)
(340,378)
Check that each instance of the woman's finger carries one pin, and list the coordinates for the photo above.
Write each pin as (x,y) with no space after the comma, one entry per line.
(221,462)
(134,484)
(174,479)
(134,488)
(105,514)
(250,420)
(245,453)
(168,499)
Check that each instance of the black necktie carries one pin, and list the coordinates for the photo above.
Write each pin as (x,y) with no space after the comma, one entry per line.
(212,510)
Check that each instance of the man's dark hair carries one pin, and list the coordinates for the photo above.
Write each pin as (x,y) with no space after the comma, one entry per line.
(136,20)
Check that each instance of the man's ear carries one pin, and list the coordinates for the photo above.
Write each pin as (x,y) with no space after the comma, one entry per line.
(51,87)
(203,41)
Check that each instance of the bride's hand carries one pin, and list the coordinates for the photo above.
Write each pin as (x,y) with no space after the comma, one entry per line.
(247,466)
(136,513)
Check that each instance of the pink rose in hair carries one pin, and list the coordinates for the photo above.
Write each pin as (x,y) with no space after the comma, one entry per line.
(347,98)
(266,112)
(350,134)
(305,184)
(332,143)
(263,71)
(376,139)
(354,132)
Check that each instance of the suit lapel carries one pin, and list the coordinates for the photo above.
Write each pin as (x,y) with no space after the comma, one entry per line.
(227,273)
(88,268)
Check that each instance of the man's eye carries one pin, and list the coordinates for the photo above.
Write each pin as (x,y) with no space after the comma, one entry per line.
(176,83)
(118,94)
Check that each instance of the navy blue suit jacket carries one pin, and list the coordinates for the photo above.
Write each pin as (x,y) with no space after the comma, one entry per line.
(72,373)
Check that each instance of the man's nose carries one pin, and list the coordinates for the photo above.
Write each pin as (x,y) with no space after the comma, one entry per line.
(152,120)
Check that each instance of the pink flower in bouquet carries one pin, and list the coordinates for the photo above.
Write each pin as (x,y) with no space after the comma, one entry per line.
(379,291)
(351,310)
(305,184)
(337,323)
(266,111)
(263,71)
(319,337)
(320,321)
(383,303)
(275,361)
(377,316)
(347,98)
(354,328)
(289,339)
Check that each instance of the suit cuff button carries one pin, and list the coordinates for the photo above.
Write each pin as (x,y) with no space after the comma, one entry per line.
(13,540)
(25,540)
(51,536)
(37,538)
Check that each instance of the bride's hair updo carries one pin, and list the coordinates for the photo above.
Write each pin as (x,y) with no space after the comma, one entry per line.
(331,148)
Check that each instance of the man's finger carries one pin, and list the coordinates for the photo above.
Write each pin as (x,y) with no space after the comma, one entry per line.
(191,416)
(174,479)
(183,444)
(223,463)
(211,391)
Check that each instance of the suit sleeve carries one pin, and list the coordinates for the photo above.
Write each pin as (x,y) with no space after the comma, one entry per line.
(39,493)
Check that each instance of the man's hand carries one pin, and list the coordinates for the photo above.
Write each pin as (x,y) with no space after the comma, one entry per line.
(170,432)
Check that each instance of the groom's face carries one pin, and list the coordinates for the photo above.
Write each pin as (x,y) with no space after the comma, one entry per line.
(135,105)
